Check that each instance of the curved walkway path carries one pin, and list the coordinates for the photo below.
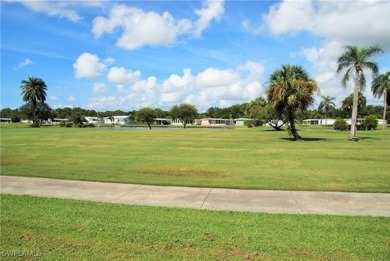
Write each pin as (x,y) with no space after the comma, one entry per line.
(268,201)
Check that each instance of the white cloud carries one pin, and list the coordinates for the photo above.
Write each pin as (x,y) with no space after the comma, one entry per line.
(120,75)
(61,9)
(348,22)
(109,60)
(88,66)
(24,63)
(99,88)
(210,87)
(142,28)
(215,78)
(212,9)
(53,97)
(71,99)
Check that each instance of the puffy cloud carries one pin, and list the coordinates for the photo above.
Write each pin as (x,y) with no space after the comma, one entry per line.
(88,66)
(345,21)
(120,75)
(142,28)
(210,87)
(213,77)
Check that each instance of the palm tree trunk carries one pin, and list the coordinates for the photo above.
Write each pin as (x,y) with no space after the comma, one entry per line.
(352,134)
(384,108)
(293,130)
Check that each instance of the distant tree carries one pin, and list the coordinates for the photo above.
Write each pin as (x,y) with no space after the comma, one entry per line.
(146,115)
(78,119)
(381,87)
(184,112)
(34,92)
(353,61)
(347,103)
(327,106)
(6,113)
(291,89)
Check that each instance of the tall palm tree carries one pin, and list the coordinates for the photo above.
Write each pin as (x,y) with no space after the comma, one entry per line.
(353,61)
(326,106)
(34,91)
(291,89)
(381,86)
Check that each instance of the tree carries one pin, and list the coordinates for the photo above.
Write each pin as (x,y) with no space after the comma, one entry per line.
(146,115)
(291,89)
(347,103)
(34,91)
(37,113)
(381,86)
(353,61)
(327,105)
(184,112)
(78,119)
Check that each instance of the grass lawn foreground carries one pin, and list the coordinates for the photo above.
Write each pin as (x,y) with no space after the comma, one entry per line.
(57,229)
(256,158)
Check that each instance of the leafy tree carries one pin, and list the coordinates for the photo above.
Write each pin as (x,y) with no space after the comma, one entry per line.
(37,113)
(327,106)
(381,86)
(78,119)
(34,92)
(353,61)
(291,89)
(146,115)
(185,112)
(347,103)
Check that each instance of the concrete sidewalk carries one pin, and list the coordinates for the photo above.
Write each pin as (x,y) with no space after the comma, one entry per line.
(269,201)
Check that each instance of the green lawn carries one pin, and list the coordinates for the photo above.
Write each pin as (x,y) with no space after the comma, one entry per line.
(58,229)
(256,158)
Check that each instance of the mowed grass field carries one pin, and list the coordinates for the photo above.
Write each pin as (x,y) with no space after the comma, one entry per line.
(56,229)
(256,158)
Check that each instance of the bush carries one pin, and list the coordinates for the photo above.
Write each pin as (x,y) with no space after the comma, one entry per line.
(62,123)
(369,123)
(340,124)
(258,123)
(249,124)
(69,124)
(89,125)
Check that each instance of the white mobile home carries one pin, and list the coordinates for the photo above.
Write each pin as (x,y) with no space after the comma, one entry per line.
(216,122)
(120,120)
(94,120)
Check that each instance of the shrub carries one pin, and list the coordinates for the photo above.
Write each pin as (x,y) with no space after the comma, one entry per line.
(249,124)
(69,124)
(62,123)
(341,124)
(89,125)
(258,123)
(369,123)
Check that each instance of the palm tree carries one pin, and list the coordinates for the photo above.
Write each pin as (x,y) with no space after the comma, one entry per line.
(347,103)
(354,60)
(381,86)
(291,89)
(34,91)
(327,105)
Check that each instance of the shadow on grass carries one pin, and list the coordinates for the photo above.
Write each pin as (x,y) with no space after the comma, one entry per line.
(305,139)
(368,138)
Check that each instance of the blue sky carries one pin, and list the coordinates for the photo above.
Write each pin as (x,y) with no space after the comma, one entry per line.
(107,55)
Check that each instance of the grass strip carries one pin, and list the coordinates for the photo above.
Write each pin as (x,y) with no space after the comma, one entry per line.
(56,229)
